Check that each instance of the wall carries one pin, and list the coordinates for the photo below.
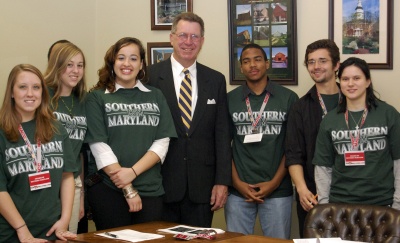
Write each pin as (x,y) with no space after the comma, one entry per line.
(28,28)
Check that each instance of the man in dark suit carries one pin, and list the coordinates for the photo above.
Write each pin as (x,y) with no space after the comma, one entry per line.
(197,169)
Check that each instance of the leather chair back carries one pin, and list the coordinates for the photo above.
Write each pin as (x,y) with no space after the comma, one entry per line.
(366,223)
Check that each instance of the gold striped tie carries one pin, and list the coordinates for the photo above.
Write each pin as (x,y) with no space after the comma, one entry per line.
(185,100)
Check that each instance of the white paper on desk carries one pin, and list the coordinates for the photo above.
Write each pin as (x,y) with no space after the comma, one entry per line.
(310,240)
(325,240)
(132,235)
(350,241)
(330,240)
(318,240)
(187,230)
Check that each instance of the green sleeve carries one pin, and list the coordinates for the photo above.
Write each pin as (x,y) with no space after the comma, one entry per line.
(166,127)
(3,178)
(97,129)
(394,133)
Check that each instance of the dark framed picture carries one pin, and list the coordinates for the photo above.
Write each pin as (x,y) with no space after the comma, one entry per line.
(164,11)
(270,24)
(363,29)
(158,51)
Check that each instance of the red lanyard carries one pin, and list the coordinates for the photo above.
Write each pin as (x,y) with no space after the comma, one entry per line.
(36,158)
(355,140)
(255,122)
(321,102)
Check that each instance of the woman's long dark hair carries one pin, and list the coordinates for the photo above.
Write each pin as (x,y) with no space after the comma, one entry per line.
(106,73)
(371,98)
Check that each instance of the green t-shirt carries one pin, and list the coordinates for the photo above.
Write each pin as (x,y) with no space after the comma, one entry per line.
(258,162)
(41,208)
(372,183)
(330,101)
(129,121)
(76,125)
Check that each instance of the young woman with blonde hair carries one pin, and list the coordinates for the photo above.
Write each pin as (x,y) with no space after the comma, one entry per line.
(65,78)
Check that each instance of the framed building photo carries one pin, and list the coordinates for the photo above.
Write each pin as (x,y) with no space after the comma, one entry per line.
(158,51)
(164,11)
(270,24)
(364,29)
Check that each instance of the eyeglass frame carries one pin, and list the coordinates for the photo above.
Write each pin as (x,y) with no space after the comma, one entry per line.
(184,37)
(320,61)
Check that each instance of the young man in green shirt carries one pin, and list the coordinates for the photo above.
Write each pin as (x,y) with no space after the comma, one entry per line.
(261,183)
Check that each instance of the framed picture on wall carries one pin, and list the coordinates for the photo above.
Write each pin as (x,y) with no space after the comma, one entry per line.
(270,24)
(158,51)
(363,29)
(164,11)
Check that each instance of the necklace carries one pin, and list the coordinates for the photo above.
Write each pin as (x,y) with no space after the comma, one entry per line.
(72,107)
(355,120)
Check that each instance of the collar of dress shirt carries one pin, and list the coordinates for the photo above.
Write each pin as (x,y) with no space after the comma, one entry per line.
(177,68)
(138,85)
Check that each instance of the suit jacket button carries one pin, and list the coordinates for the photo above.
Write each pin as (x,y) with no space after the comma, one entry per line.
(185,158)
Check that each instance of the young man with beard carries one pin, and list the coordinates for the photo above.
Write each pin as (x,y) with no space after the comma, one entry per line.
(259,111)
(322,60)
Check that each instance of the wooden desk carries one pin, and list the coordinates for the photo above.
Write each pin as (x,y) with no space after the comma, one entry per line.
(151,227)
(254,239)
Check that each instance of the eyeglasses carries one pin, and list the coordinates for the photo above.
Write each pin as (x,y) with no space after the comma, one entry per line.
(320,61)
(184,37)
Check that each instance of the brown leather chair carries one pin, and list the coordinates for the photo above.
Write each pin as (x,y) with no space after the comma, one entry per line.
(367,223)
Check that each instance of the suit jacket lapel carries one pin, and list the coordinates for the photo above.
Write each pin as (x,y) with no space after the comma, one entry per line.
(201,104)
(168,86)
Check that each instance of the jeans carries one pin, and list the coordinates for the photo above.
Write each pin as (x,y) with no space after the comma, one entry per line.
(274,214)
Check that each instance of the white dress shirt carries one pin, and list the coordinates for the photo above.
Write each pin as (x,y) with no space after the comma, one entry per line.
(177,72)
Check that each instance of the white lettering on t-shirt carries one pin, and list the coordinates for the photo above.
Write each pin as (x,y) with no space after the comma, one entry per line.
(76,126)
(370,139)
(18,159)
(270,122)
(145,114)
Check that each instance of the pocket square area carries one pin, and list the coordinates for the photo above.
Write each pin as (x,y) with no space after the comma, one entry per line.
(211,102)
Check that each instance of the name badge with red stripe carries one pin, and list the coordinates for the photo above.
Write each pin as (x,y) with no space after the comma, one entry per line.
(39,180)
(354,158)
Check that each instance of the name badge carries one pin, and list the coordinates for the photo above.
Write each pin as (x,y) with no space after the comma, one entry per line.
(354,158)
(253,138)
(39,180)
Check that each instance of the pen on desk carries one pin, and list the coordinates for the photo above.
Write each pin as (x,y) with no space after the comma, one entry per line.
(112,235)
(315,197)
